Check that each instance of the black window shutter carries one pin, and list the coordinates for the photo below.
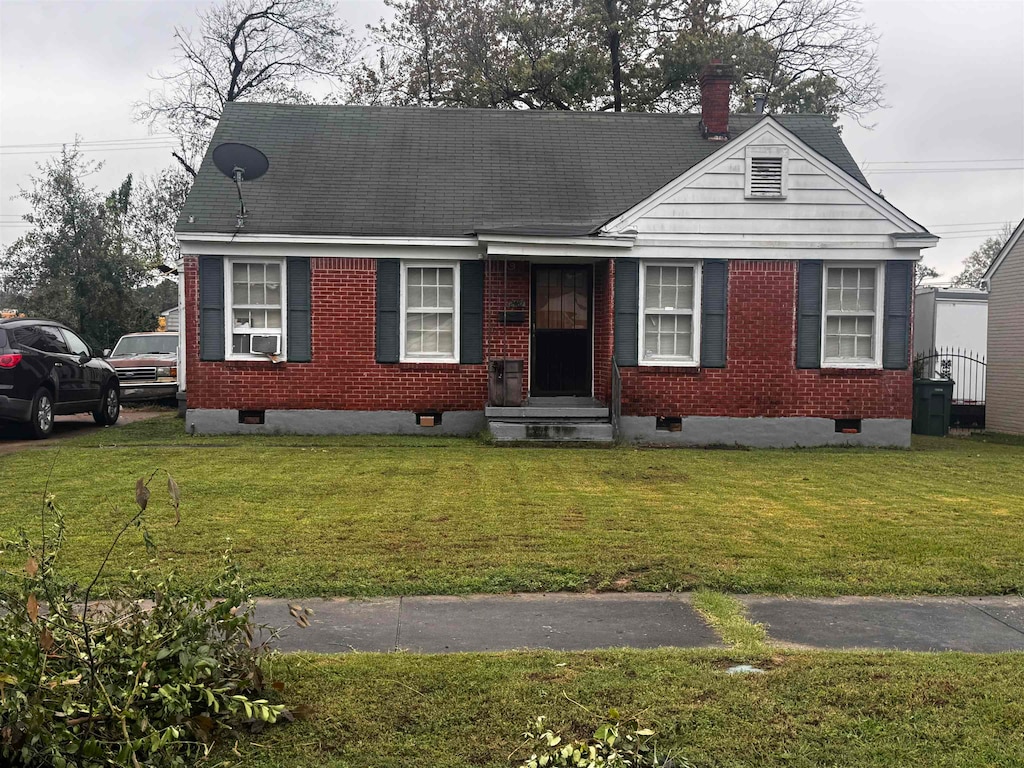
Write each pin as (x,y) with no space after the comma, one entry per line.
(471,309)
(808,314)
(300,347)
(713,317)
(899,287)
(627,311)
(389,286)
(211,308)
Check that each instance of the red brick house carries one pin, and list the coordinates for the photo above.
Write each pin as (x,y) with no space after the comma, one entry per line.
(686,279)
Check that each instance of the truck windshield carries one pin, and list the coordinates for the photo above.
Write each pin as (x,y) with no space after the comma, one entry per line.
(157,344)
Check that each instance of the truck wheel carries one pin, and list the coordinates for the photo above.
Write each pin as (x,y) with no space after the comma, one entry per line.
(40,425)
(109,407)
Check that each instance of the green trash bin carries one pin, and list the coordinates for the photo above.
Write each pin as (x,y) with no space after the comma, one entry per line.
(933,400)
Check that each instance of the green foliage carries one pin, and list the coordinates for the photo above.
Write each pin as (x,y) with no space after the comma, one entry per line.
(615,744)
(148,677)
(977,264)
(77,262)
(632,55)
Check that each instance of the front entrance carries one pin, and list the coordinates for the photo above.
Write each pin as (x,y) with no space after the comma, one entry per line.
(561,355)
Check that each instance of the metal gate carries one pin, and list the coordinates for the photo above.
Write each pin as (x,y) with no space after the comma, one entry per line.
(966,369)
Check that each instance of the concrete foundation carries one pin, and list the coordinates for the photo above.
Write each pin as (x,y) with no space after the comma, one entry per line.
(765,432)
(216,421)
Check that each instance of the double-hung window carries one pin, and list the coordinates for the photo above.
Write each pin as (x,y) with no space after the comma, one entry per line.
(430,308)
(852,314)
(670,320)
(256,315)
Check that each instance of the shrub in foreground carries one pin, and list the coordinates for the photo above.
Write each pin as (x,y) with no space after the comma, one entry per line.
(148,677)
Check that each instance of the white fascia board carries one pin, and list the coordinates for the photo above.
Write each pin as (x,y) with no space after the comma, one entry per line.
(1007,247)
(619,240)
(241,237)
(542,249)
(768,124)
(353,248)
(924,241)
(769,251)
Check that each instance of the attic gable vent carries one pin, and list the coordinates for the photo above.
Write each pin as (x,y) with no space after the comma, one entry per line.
(766,177)
(766,172)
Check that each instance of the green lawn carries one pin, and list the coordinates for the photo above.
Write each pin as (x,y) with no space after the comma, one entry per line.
(809,709)
(371,516)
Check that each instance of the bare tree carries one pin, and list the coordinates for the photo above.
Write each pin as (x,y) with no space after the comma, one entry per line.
(247,50)
(809,55)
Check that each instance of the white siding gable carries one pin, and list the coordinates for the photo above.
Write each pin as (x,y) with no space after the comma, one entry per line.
(820,212)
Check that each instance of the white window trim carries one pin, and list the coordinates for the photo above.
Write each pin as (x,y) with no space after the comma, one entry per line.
(835,362)
(229,305)
(678,362)
(456,316)
(765,151)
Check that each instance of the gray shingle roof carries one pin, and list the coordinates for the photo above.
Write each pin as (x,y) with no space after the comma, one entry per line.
(406,171)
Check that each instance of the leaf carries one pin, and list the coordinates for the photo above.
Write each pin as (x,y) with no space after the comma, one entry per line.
(8,679)
(645,732)
(141,493)
(31,567)
(32,606)
(278,685)
(172,488)
(46,640)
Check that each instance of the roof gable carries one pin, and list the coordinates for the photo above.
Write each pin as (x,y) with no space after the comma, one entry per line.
(415,172)
(770,131)
(1001,256)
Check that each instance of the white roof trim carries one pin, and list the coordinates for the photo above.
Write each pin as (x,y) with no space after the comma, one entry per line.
(1007,247)
(243,237)
(899,219)
(617,240)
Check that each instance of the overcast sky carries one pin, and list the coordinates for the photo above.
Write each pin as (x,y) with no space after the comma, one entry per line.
(954,71)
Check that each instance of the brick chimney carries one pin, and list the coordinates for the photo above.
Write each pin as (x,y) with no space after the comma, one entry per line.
(714,100)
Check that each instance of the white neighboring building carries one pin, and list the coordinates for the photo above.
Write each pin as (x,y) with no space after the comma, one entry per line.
(948,319)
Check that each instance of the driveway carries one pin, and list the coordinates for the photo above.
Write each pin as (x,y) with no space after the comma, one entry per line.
(12,438)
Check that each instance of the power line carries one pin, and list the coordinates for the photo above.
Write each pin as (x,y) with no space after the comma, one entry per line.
(139,148)
(932,162)
(157,137)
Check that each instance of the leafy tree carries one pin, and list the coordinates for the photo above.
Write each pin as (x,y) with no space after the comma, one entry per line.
(77,262)
(639,55)
(155,204)
(978,262)
(246,50)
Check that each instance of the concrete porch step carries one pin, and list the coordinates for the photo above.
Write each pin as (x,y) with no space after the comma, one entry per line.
(550,408)
(552,432)
(545,413)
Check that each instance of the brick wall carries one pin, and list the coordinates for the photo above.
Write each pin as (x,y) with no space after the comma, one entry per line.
(343,373)
(761,378)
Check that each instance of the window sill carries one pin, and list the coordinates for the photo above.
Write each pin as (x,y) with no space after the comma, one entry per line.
(670,363)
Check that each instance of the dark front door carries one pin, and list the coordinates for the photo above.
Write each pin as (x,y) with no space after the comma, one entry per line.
(561,358)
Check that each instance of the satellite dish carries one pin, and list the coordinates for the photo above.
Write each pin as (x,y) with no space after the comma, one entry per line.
(230,158)
(240,162)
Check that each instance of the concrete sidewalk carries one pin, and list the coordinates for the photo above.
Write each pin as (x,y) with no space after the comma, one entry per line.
(639,620)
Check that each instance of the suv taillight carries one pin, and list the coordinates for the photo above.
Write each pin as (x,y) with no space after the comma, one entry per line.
(10,360)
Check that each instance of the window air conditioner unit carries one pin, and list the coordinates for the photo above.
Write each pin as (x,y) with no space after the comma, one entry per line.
(266,345)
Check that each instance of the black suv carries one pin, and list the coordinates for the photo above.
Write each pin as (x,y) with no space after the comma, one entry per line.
(46,370)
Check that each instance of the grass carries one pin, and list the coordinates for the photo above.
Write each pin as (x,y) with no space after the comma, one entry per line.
(377,516)
(809,709)
(727,616)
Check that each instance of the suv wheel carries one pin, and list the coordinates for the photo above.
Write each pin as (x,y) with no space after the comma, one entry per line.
(109,407)
(41,424)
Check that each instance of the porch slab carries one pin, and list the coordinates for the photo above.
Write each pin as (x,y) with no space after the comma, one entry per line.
(552,432)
